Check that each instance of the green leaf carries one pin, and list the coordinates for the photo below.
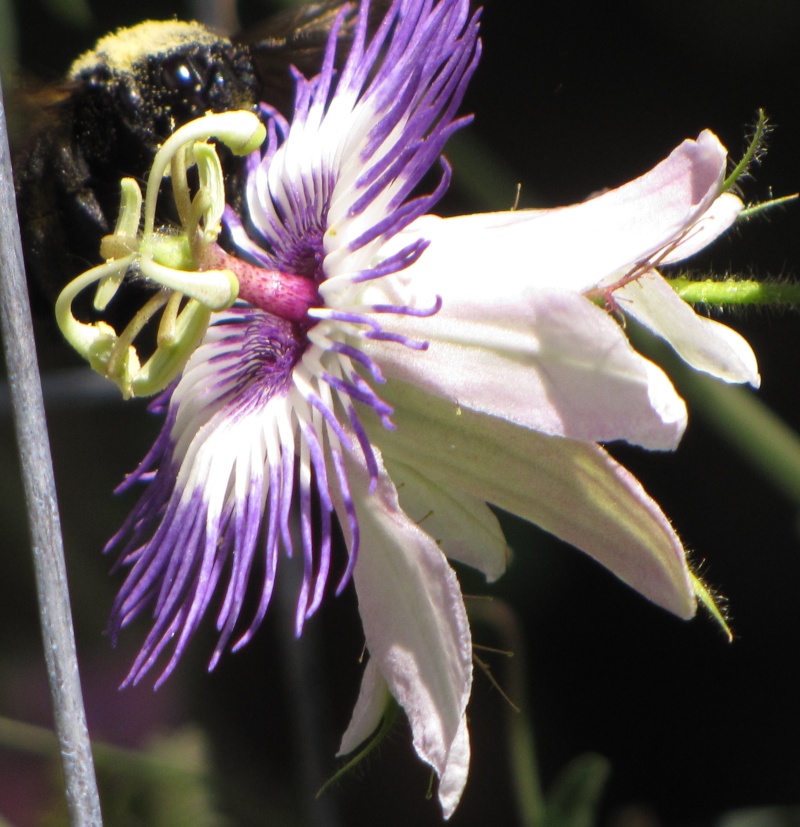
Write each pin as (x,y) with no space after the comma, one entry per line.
(575,797)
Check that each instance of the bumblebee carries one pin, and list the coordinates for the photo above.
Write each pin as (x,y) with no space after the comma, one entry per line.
(123,98)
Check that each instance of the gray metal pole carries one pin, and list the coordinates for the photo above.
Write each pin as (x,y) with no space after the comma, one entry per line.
(37,471)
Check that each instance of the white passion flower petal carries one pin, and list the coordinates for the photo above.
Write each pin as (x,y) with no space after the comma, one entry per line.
(464,527)
(718,218)
(550,361)
(373,698)
(574,490)
(705,344)
(370,707)
(582,246)
(451,784)
(415,625)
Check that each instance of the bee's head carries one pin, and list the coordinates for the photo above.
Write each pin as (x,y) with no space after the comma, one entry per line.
(146,81)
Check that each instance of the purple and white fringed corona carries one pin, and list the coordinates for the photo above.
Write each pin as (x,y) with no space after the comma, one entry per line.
(401,371)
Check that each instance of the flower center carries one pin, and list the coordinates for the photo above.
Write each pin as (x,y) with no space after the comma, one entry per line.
(285,295)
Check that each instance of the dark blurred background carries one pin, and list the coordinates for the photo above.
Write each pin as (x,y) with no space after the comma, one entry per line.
(570,98)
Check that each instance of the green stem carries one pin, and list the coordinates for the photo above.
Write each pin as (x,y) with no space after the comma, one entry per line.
(736,292)
(755,147)
(752,210)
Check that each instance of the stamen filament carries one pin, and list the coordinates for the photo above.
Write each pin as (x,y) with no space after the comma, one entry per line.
(240,131)
(125,340)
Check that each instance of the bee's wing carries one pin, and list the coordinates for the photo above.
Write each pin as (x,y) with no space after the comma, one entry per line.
(298,38)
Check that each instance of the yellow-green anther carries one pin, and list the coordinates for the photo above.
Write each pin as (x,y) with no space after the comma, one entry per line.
(107,289)
(84,336)
(202,233)
(168,326)
(122,243)
(240,142)
(130,208)
(167,361)
(124,355)
(127,363)
(216,289)
(181,194)
(212,188)
(118,246)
